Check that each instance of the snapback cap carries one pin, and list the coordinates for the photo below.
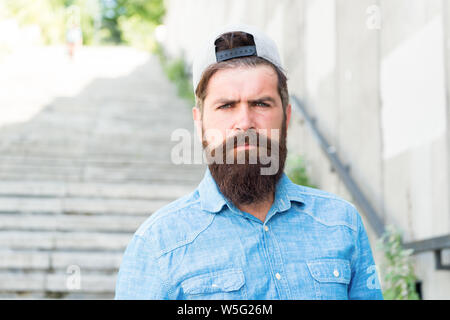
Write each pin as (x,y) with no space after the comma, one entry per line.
(264,47)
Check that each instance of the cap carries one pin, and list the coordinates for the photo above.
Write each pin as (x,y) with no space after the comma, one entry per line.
(264,47)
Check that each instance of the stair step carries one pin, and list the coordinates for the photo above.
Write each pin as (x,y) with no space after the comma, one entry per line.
(48,282)
(24,260)
(70,223)
(82,161)
(93,241)
(53,296)
(149,175)
(188,170)
(38,260)
(106,145)
(80,150)
(80,205)
(93,190)
(32,132)
(49,158)
(135,178)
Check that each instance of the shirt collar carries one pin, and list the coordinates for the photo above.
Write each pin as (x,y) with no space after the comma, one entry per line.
(212,199)
(285,192)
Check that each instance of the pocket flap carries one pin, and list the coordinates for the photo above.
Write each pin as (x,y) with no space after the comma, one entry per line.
(220,281)
(330,270)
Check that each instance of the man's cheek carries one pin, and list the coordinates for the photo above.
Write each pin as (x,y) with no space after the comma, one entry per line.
(272,134)
(213,137)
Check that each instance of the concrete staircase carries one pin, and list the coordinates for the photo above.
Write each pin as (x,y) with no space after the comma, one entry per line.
(78,179)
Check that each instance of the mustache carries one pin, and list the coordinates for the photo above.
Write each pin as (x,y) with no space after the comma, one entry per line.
(251,138)
(265,154)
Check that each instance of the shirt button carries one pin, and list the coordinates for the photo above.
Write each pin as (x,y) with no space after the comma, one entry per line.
(278,276)
(266,228)
(336,273)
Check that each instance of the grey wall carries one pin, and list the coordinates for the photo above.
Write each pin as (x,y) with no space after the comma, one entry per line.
(376,76)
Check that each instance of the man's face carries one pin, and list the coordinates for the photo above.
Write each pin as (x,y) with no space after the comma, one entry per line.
(244,102)
(241,99)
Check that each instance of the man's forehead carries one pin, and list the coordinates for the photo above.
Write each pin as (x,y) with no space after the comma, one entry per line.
(238,83)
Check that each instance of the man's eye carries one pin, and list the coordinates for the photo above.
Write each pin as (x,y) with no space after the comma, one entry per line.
(261,104)
(225,106)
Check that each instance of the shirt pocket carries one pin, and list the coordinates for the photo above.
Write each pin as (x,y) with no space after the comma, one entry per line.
(331,278)
(226,284)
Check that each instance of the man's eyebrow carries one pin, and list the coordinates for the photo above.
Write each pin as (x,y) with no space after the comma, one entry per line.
(231,101)
(267,98)
(224,101)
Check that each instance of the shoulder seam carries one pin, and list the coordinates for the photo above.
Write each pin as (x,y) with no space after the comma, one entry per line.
(333,197)
(164,214)
(353,228)
(185,241)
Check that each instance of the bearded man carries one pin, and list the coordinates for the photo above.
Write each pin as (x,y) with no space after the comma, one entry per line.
(247,231)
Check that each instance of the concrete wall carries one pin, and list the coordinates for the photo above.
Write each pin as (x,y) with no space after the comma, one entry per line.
(375,74)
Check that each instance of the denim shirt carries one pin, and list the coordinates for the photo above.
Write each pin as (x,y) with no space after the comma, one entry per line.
(312,245)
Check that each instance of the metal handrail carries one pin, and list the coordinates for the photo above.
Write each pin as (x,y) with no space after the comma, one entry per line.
(436,244)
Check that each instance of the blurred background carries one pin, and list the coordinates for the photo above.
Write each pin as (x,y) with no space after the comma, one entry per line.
(91,91)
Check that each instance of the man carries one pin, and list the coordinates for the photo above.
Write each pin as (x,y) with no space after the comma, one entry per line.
(247,231)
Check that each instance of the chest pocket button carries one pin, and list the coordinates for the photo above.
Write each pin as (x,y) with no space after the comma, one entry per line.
(330,270)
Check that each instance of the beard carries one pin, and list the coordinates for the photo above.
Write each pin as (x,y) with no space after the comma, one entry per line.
(246,183)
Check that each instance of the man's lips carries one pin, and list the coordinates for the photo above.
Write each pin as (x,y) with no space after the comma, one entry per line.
(245,146)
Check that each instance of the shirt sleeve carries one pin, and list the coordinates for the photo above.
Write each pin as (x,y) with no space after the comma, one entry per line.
(139,276)
(365,284)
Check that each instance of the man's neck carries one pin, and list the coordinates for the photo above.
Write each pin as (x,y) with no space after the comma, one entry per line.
(260,209)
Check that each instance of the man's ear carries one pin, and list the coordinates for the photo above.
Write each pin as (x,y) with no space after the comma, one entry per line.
(288,115)
(197,116)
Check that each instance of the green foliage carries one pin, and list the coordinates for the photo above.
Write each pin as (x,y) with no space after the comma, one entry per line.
(158,50)
(137,32)
(53,17)
(149,10)
(296,170)
(90,15)
(132,21)
(177,72)
(399,280)
(47,14)
(118,21)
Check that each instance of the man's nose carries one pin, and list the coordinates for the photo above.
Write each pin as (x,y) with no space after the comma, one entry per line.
(244,119)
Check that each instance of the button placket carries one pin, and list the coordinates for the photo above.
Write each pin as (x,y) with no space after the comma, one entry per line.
(276,263)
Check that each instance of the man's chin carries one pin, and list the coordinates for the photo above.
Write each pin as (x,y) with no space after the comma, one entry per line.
(243,184)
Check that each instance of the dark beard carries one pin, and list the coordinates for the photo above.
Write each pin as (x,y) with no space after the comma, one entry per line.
(244,184)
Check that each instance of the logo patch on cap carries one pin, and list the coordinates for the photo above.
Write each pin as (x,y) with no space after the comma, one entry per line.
(244,51)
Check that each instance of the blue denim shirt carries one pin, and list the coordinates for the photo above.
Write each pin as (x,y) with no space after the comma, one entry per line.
(312,245)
